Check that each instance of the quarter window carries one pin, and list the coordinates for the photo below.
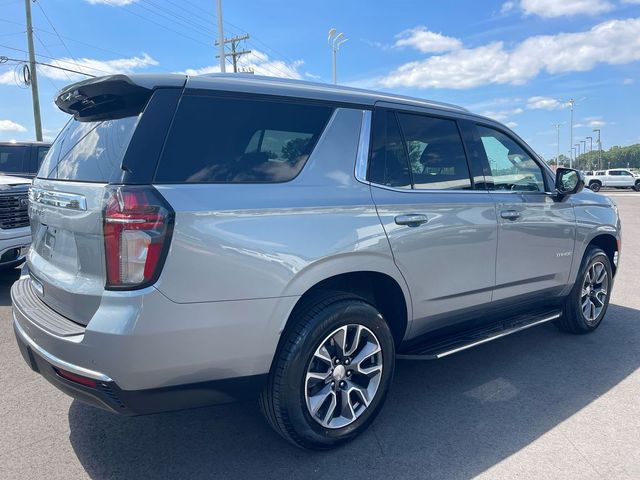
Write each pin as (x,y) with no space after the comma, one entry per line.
(511,167)
(237,140)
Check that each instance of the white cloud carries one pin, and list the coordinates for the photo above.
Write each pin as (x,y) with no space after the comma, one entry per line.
(544,103)
(8,78)
(613,42)
(426,41)
(628,81)
(559,8)
(95,67)
(511,125)
(507,7)
(10,126)
(502,115)
(260,63)
(113,3)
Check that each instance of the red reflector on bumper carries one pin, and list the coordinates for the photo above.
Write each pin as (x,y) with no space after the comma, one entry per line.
(72,377)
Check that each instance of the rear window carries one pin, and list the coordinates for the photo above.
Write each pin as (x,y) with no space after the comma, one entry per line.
(89,151)
(13,158)
(234,140)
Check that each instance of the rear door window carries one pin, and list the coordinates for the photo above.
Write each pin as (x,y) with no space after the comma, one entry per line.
(436,153)
(239,140)
(89,151)
(13,158)
(389,164)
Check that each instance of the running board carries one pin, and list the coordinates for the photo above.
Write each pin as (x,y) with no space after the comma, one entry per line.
(470,339)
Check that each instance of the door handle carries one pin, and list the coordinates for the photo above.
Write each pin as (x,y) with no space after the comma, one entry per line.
(510,214)
(411,219)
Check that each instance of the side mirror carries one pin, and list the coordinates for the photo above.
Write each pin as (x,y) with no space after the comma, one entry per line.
(569,181)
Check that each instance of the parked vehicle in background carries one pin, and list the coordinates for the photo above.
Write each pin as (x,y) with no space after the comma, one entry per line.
(22,159)
(203,239)
(15,234)
(614,178)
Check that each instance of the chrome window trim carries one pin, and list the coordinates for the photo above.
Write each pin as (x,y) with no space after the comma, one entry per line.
(362,158)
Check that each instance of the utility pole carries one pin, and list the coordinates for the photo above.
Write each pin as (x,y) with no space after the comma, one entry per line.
(235,53)
(590,149)
(220,42)
(572,102)
(599,149)
(32,73)
(335,40)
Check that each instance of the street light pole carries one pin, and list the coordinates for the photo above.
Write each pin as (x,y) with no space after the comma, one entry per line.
(335,40)
(557,125)
(572,102)
(590,149)
(599,149)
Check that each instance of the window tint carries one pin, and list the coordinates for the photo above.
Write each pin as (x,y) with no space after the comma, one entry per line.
(231,140)
(388,164)
(511,167)
(12,158)
(436,153)
(89,151)
(42,151)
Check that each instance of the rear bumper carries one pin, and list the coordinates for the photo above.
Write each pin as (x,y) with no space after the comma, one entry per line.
(147,354)
(106,394)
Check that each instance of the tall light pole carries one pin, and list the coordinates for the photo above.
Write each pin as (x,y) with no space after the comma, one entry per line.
(577,154)
(33,74)
(590,149)
(599,149)
(572,102)
(335,40)
(557,125)
(584,146)
(223,58)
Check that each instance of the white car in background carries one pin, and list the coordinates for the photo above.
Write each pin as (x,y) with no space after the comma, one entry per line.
(615,178)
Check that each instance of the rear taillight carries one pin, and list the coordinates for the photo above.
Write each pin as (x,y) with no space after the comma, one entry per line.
(137,226)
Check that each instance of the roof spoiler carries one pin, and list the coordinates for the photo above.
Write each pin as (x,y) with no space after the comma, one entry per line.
(113,96)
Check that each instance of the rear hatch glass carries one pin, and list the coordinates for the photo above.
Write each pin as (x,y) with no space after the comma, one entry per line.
(89,151)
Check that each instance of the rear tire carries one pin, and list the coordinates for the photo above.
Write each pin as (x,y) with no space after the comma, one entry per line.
(324,387)
(636,187)
(595,186)
(587,304)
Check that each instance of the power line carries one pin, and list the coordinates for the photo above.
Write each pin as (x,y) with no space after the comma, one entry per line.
(49,65)
(54,29)
(128,10)
(49,52)
(60,61)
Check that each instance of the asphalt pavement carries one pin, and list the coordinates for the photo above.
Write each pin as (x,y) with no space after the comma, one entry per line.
(537,404)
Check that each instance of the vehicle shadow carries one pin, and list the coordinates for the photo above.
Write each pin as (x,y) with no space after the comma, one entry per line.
(7,278)
(452,418)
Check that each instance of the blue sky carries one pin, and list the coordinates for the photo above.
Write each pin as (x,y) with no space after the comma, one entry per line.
(517,61)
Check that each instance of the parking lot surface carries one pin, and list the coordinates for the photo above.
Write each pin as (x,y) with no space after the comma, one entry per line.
(538,404)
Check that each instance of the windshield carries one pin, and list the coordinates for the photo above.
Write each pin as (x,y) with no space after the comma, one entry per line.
(89,151)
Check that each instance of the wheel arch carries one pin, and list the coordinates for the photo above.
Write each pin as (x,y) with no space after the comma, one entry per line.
(377,281)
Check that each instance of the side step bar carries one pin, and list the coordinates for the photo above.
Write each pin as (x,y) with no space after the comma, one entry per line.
(468,340)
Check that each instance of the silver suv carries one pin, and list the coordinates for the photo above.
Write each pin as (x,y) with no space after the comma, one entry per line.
(207,239)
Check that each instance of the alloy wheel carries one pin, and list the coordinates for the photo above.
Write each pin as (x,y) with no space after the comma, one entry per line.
(343,376)
(595,289)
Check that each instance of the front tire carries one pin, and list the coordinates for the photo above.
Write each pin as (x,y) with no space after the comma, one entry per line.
(332,372)
(587,304)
